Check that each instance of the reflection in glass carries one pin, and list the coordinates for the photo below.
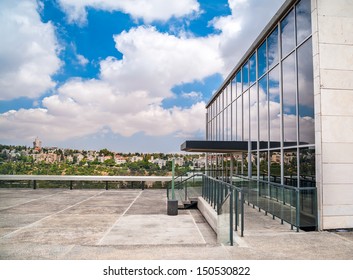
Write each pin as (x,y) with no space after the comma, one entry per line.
(253,114)
(239,87)
(234,120)
(239,132)
(274,107)
(290,168)
(252,63)
(254,165)
(245,75)
(234,89)
(229,94)
(263,165)
(275,166)
(307,167)
(244,165)
(221,126)
(303,18)
(287,34)
(289,100)
(263,111)
(272,48)
(261,59)
(229,123)
(225,96)
(306,93)
(246,116)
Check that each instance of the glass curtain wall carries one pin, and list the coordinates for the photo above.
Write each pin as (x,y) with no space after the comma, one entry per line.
(270,102)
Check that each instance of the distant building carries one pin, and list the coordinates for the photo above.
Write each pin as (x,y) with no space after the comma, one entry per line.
(159,162)
(37,144)
(136,159)
(119,159)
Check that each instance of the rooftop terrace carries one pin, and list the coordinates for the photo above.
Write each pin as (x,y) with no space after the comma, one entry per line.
(133,224)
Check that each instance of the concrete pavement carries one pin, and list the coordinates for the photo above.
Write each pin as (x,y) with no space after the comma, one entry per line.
(133,224)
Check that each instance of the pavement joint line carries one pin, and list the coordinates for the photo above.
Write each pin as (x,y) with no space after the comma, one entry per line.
(118,219)
(30,201)
(192,217)
(47,217)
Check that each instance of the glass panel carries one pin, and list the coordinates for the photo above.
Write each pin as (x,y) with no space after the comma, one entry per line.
(228,96)
(214,125)
(275,166)
(307,167)
(239,87)
(234,121)
(226,125)
(252,63)
(223,225)
(306,94)
(261,59)
(254,122)
(237,164)
(218,105)
(274,108)
(308,209)
(289,101)
(239,132)
(287,34)
(272,49)
(225,97)
(263,166)
(290,168)
(234,89)
(220,127)
(254,163)
(246,124)
(245,164)
(245,75)
(215,107)
(303,18)
(263,112)
(214,128)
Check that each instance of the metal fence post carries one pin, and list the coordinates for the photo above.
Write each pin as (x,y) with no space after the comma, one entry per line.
(236,209)
(231,216)
(298,210)
(242,213)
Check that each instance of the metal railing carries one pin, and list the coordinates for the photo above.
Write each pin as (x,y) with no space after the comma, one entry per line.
(295,206)
(80,182)
(225,198)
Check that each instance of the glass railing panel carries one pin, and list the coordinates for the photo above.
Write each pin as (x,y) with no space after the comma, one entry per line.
(224,228)
(308,206)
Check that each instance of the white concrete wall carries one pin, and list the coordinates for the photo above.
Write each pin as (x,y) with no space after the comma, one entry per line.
(332,23)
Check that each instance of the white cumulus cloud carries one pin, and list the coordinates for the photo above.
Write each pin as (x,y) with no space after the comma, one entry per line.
(28,51)
(148,10)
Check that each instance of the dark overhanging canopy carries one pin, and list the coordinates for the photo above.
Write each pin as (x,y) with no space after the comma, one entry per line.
(204,146)
(214,146)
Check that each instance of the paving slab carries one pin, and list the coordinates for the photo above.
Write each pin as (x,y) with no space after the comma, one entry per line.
(154,230)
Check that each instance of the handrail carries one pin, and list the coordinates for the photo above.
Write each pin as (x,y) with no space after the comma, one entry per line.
(83,178)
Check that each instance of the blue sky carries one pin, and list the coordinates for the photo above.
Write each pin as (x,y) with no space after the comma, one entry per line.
(128,75)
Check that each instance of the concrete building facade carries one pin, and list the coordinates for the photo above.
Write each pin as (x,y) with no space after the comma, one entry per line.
(332,29)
